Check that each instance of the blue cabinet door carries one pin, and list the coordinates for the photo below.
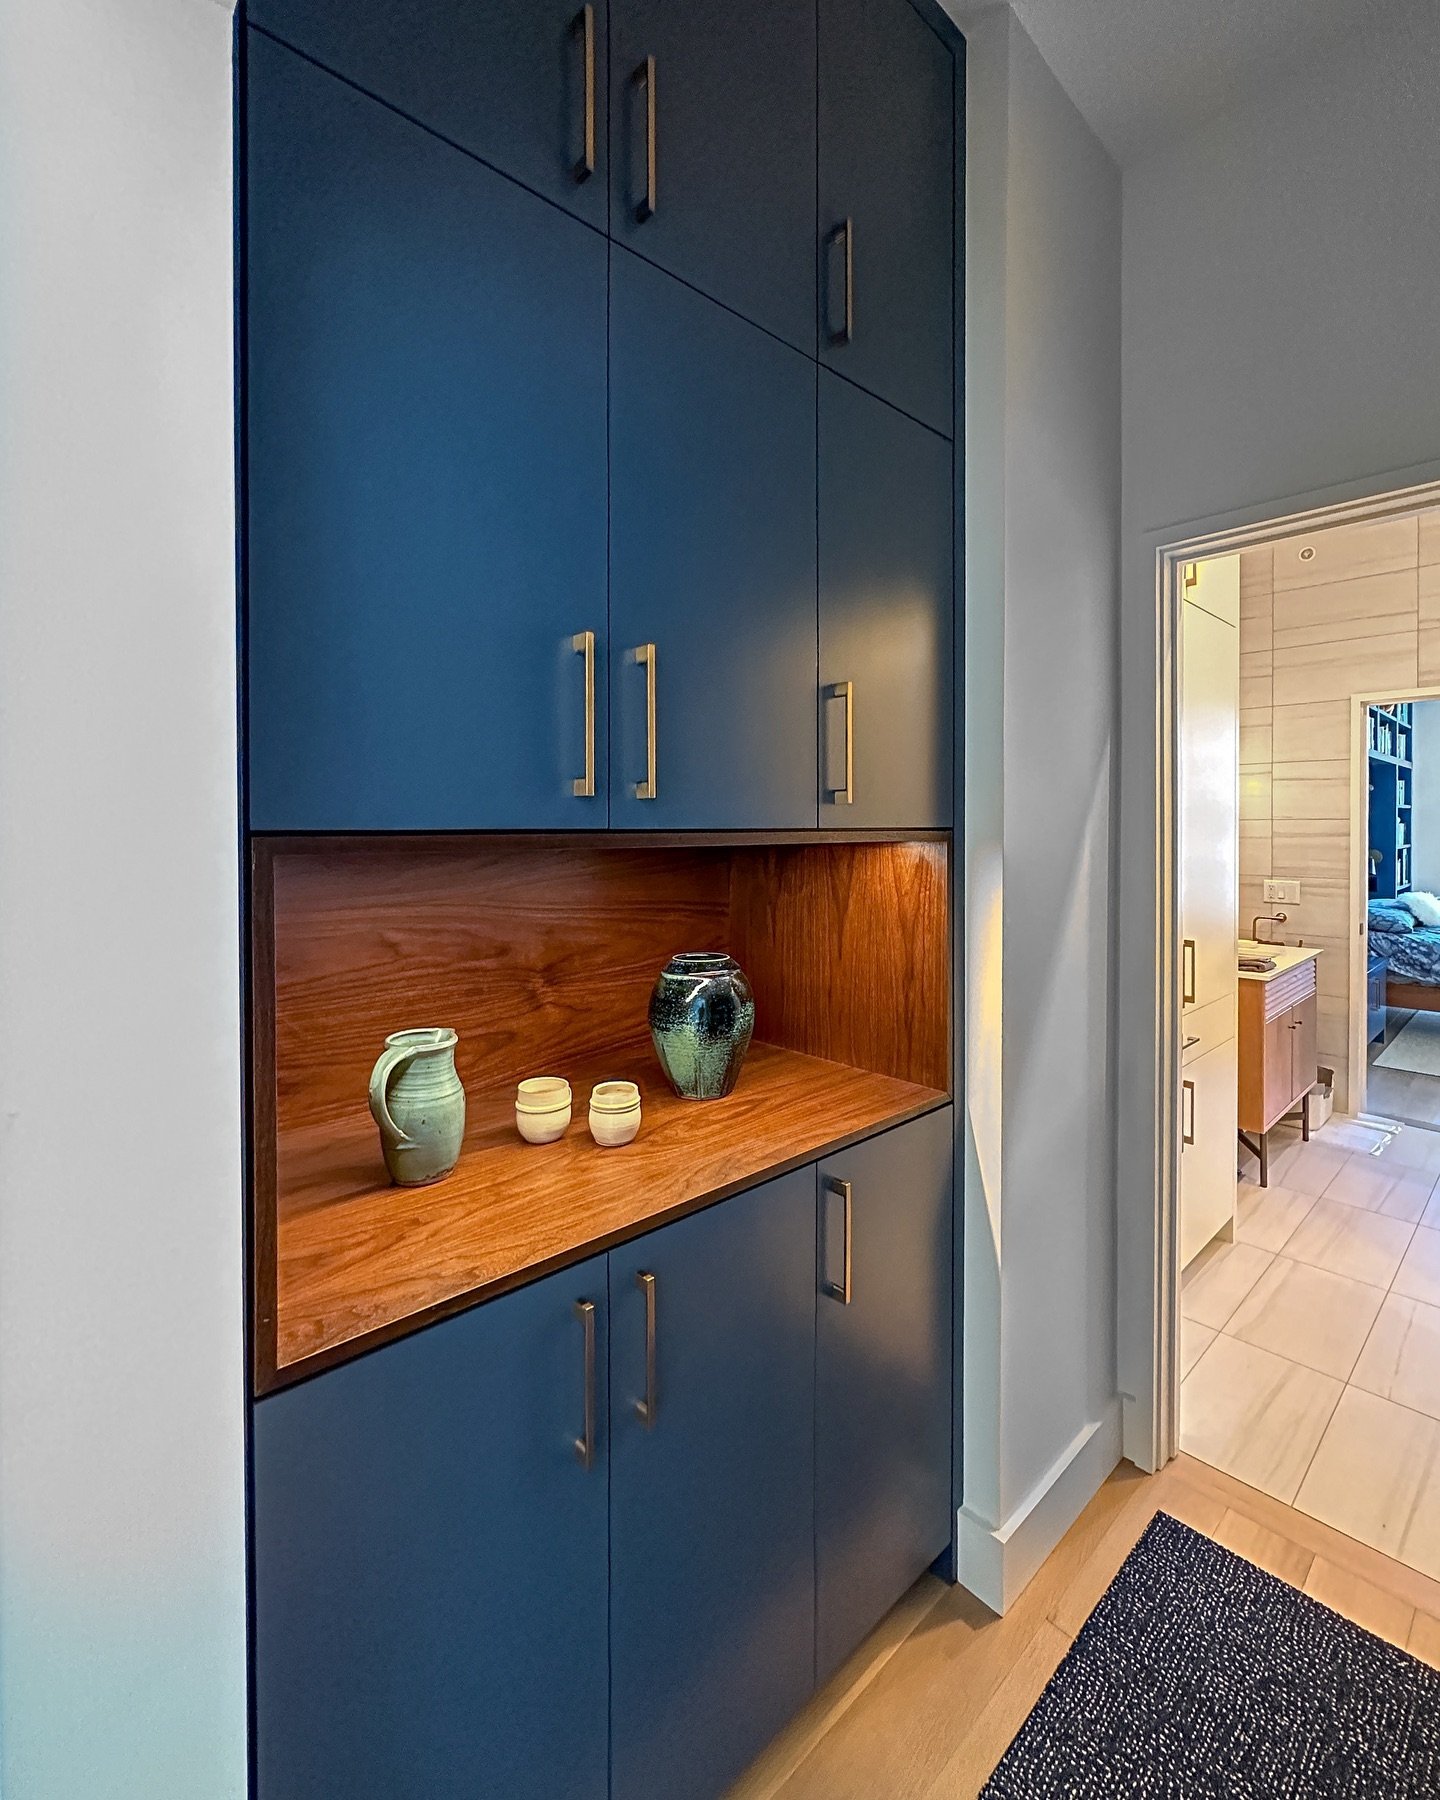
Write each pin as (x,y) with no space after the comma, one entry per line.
(887,605)
(731,115)
(711,1529)
(712,561)
(520,83)
(430,1564)
(887,166)
(883,1377)
(426,475)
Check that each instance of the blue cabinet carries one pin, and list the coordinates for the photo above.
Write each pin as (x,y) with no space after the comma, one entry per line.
(711,1530)
(883,1372)
(426,476)
(887,204)
(430,1563)
(712,563)
(887,605)
(520,83)
(726,196)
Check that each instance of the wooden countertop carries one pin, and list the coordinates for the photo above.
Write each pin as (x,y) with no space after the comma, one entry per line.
(1286,957)
(359,1261)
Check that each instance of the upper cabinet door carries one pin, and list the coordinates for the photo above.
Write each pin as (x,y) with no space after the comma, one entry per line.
(713,150)
(887,727)
(887,185)
(712,1590)
(520,83)
(883,1377)
(431,1605)
(426,477)
(712,564)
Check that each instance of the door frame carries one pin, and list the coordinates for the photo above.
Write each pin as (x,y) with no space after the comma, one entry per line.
(1358,1041)
(1148,1002)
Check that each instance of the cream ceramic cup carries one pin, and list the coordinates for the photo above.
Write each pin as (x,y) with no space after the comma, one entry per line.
(543,1109)
(614,1113)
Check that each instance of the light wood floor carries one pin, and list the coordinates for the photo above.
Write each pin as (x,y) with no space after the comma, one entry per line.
(926,1708)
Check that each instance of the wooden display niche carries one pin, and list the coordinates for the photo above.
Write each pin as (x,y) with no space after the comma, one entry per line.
(541,953)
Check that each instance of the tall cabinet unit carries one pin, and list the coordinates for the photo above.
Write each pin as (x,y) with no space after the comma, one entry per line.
(599,471)
(1209,870)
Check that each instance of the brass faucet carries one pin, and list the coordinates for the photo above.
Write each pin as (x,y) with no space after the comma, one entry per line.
(1266,919)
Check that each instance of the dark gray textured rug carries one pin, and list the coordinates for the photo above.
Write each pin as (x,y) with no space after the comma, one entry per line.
(1200,1675)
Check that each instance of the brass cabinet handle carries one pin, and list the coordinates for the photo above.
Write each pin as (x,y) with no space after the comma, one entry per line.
(845,690)
(585,1443)
(1191,1042)
(647,789)
(845,233)
(583,643)
(585,26)
(648,1408)
(1187,972)
(645,77)
(1187,1132)
(840,1290)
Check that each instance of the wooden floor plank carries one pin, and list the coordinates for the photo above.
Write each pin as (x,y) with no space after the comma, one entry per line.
(1267,1549)
(1360,1601)
(1002,1716)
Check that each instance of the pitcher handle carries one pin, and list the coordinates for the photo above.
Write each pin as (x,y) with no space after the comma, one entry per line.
(388,1062)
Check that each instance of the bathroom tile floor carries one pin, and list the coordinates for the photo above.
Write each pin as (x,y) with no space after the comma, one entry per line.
(1310,1346)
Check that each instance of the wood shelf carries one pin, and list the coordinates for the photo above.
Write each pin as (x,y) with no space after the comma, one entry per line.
(359,1262)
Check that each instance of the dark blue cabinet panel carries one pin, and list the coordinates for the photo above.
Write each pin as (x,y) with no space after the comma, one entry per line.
(882,1377)
(886,614)
(426,475)
(505,79)
(887,159)
(733,109)
(711,1531)
(712,560)
(430,1564)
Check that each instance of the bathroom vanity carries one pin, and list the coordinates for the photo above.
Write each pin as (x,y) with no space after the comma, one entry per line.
(1279,1012)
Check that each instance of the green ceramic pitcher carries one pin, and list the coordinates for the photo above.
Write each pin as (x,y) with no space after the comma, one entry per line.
(419,1104)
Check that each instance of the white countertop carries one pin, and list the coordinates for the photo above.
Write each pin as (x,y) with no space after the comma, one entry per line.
(1286,957)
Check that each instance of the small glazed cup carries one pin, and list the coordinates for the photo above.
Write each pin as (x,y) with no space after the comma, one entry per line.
(614,1113)
(543,1109)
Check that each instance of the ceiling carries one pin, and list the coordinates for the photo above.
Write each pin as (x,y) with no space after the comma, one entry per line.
(1144,71)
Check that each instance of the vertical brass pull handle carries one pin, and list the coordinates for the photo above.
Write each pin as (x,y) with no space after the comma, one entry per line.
(1187,972)
(648,1408)
(583,643)
(841,1290)
(845,690)
(647,789)
(585,27)
(645,77)
(585,1443)
(844,234)
(1187,1132)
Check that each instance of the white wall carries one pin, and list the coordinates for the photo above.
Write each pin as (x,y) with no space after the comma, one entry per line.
(1043,496)
(1281,268)
(1425,820)
(122,1669)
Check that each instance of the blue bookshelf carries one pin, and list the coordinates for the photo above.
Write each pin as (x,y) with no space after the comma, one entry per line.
(1392,797)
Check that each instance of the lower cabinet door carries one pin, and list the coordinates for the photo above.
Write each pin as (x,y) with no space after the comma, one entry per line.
(883,1377)
(1208,1120)
(430,1562)
(712,1490)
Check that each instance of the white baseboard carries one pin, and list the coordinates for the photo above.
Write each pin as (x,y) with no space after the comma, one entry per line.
(996,1563)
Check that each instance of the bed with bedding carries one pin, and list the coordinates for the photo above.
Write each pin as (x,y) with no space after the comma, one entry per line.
(1411,948)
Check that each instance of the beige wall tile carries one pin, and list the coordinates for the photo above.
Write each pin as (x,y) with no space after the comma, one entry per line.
(1334,610)
(1255,631)
(1256,739)
(1345,551)
(1428,662)
(1257,574)
(1429,595)
(1254,796)
(1254,691)
(1252,888)
(1377,665)
(1314,791)
(1308,733)
(1429,542)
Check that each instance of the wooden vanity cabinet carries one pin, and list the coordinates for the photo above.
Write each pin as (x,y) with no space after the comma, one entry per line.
(1279,1021)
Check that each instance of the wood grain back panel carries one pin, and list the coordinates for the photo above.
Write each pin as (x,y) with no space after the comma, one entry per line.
(848,949)
(538,955)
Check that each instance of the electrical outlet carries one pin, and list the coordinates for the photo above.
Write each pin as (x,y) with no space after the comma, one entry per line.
(1278,892)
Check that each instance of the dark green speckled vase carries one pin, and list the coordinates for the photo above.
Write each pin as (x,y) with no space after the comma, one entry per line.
(702,1014)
